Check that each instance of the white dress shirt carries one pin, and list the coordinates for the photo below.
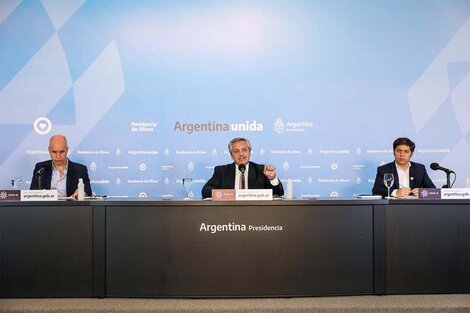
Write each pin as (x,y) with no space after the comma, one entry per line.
(274,182)
(238,175)
(403,178)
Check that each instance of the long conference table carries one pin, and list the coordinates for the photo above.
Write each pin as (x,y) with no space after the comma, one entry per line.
(280,248)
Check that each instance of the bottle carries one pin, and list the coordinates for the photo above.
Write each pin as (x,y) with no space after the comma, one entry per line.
(81,189)
(290,189)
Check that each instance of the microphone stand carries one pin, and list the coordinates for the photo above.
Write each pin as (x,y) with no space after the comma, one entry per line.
(39,177)
(448,180)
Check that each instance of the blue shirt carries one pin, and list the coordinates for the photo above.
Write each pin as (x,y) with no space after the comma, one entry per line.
(59,183)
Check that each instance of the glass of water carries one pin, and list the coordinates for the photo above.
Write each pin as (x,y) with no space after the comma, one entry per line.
(388,181)
(187,183)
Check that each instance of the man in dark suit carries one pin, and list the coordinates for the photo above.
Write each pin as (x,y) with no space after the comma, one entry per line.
(408,176)
(243,174)
(60,173)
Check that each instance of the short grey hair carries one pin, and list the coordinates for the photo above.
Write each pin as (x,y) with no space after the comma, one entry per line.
(237,140)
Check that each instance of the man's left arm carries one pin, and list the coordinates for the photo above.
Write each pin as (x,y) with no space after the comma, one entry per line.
(422,179)
(81,171)
(427,182)
(270,172)
(86,182)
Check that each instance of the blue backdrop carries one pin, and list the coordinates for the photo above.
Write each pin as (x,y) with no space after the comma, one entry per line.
(150,91)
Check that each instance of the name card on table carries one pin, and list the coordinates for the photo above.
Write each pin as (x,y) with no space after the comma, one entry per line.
(223,194)
(241,194)
(429,193)
(38,195)
(455,193)
(14,194)
(444,193)
(253,194)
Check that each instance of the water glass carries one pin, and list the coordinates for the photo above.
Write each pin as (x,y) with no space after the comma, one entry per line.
(388,181)
(187,183)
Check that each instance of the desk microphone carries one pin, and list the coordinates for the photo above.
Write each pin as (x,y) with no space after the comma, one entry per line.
(436,166)
(242,168)
(41,171)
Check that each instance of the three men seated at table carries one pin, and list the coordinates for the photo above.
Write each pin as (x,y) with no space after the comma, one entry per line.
(62,174)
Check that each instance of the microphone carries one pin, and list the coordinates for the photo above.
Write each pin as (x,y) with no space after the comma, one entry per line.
(41,171)
(242,168)
(436,166)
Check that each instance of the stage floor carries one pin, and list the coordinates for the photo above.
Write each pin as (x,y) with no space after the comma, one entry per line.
(389,304)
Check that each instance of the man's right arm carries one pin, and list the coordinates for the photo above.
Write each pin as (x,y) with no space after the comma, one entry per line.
(34,182)
(379,187)
(213,183)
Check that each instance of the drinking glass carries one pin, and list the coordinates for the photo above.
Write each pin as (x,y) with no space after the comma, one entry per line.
(187,183)
(388,181)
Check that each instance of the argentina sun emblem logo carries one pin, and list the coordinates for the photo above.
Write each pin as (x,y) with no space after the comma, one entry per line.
(279,125)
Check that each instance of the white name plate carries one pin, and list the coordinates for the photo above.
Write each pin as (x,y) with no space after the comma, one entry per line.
(253,194)
(455,193)
(38,195)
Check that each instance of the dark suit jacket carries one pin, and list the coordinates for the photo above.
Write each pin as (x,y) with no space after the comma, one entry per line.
(418,178)
(74,172)
(224,178)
